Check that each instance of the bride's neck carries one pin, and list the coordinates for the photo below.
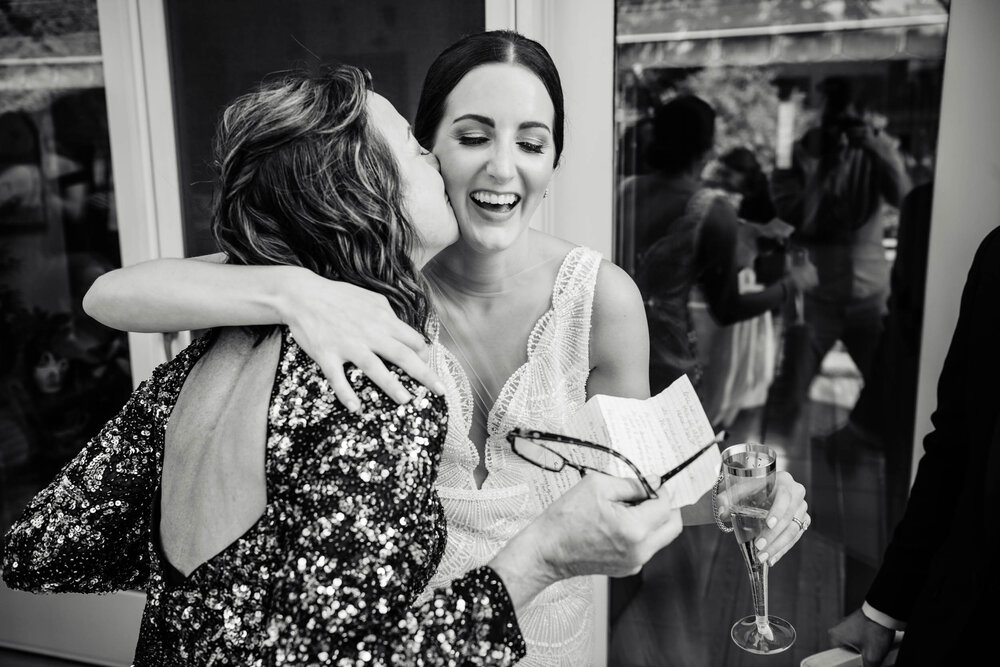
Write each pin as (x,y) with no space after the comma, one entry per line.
(485,273)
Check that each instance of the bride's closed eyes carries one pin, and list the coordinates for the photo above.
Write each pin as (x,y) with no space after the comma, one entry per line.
(528,144)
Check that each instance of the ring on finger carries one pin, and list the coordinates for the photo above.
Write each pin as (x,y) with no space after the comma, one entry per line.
(799,523)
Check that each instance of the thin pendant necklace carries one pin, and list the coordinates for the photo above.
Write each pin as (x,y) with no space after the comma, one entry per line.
(483,398)
(451,294)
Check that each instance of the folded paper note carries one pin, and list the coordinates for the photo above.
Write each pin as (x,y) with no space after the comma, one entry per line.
(657,434)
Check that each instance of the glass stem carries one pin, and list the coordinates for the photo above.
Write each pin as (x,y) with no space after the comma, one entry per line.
(758,589)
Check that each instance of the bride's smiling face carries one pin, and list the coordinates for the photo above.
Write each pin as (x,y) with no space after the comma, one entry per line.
(497,152)
(425,199)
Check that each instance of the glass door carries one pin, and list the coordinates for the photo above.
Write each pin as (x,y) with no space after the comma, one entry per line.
(785,152)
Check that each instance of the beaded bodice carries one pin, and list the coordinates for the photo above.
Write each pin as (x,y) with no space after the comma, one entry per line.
(540,394)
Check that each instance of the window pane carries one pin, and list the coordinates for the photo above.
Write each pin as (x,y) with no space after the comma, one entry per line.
(62,375)
(782,261)
(221,49)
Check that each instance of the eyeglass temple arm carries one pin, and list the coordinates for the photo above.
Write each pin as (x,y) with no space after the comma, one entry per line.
(719,437)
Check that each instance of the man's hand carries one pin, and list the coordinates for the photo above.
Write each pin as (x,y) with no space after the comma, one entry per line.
(865,636)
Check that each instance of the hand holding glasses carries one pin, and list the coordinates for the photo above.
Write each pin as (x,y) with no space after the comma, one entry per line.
(552,451)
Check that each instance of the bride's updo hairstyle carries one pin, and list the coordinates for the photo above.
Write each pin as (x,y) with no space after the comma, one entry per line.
(486,48)
(305,180)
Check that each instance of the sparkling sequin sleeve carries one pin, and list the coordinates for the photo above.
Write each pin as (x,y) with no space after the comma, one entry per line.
(372,536)
(87,531)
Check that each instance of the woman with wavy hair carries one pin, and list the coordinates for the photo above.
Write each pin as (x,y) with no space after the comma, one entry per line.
(267,523)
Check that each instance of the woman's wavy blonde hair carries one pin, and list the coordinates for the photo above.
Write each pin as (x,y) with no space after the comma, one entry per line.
(305,180)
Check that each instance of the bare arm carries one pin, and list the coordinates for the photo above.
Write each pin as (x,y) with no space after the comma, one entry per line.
(334,322)
(181,294)
(619,337)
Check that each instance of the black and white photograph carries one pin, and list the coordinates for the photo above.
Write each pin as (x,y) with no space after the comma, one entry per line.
(534,333)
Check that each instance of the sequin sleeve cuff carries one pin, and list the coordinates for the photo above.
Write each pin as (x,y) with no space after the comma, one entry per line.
(493,608)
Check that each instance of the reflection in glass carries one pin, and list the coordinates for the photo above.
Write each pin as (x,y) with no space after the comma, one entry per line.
(821,164)
(62,375)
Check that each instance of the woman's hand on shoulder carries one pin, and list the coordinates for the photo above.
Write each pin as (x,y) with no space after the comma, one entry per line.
(336,323)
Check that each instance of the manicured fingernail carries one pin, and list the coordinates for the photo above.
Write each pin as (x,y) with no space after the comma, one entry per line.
(763,556)
(353,405)
(403,397)
(772,521)
(774,562)
(760,544)
(438,388)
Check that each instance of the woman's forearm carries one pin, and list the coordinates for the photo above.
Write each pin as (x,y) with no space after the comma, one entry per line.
(182,294)
(523,571)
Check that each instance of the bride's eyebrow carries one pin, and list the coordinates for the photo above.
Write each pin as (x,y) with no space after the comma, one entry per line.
(485,120)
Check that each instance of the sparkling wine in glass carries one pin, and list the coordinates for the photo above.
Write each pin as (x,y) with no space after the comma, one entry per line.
(748,471)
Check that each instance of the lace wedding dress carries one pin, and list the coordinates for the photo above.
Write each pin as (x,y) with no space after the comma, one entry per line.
(558,626)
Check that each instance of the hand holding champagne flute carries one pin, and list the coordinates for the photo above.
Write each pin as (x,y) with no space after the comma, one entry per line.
(748,471)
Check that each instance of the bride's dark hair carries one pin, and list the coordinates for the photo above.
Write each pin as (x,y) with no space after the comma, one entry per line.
(304,179)
(486,48)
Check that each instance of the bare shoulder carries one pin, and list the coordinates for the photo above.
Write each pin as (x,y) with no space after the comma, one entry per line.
(619,337)
(616,294)
(548,246)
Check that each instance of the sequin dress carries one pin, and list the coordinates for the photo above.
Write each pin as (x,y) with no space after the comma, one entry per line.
(559,624)
(351,533)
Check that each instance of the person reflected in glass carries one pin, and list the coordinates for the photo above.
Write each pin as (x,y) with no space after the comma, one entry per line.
(267,523)
(524,326)
(739,172)
(687,239)
(764,243)
(882,419)
(844,172)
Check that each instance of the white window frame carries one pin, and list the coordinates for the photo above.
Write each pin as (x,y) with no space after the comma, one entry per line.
(143,151)
(102,630)
(580,38)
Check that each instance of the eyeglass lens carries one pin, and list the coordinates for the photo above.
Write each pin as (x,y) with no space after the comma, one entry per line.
(551,454)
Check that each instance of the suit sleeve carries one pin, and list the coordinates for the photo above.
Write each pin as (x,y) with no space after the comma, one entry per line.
(951,461)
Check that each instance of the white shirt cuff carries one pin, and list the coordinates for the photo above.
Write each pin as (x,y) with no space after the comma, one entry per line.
(881,618)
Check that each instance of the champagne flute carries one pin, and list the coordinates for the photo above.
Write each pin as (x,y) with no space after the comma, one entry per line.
(749,473)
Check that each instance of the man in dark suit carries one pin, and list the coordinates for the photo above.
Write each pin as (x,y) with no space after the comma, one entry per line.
(938,579)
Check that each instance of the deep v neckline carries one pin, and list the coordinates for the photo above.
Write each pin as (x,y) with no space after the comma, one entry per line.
(508,387)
